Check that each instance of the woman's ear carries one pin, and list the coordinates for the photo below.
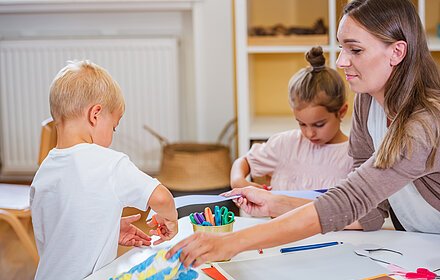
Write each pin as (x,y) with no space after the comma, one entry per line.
(399,52)
(342,111)
(94,113)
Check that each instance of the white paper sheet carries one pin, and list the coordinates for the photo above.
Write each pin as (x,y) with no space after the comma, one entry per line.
(186,200)
(182,201)
(331,263)
(14,196)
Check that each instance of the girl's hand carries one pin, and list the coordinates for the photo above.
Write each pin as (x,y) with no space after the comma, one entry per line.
(165,229)
(253,201)
(202,247)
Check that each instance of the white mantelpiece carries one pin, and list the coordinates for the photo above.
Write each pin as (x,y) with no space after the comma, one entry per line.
(203,29)
(33,6)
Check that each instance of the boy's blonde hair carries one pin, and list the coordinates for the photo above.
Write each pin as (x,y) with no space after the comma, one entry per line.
(317,84)
(79,85)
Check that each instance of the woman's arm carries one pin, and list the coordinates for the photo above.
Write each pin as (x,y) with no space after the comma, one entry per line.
(292,226)
(360,193)
(259,203)
(368,186)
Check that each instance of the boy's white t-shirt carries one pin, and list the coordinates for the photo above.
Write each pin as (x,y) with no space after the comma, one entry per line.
(77,198)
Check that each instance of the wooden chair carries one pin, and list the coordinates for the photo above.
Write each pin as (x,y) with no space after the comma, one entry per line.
(48,138)
(12,217)
(15,193)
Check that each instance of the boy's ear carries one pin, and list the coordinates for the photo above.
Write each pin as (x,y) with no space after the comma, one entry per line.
(399,52)
(94,112)
(343,111)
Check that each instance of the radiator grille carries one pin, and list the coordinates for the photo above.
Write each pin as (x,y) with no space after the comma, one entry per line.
(146,69)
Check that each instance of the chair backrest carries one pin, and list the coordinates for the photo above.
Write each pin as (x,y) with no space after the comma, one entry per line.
(48,138)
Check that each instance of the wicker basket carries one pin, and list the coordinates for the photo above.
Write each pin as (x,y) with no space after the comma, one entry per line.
(194,166)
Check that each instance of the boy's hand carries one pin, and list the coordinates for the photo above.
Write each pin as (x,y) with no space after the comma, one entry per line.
(130,235)
(166,229)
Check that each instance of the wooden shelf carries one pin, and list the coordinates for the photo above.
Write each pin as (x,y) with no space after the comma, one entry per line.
(291,40)
(284,49)
(274,58)
(251,59)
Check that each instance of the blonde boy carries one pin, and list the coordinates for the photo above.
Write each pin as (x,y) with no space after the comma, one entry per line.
(80,189)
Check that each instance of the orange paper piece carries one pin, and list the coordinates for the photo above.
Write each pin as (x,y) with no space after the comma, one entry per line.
(213,273)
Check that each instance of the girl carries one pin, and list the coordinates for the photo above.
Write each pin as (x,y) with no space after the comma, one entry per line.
(314,156)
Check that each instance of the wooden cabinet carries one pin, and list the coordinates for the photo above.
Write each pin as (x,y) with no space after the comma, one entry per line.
(265,65)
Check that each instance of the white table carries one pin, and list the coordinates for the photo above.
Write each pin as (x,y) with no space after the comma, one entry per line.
(419,250)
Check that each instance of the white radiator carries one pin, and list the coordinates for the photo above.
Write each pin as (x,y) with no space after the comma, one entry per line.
(146,69)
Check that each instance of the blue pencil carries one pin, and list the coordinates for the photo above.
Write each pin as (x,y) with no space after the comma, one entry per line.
(308,247)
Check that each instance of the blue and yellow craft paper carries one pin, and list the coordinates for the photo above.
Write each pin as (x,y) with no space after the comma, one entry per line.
(157,267)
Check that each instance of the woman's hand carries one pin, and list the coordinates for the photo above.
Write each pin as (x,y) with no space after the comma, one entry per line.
(202,247)
(130,235)
(165,229)
(253,201)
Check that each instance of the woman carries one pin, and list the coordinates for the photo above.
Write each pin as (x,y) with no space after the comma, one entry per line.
(394,141)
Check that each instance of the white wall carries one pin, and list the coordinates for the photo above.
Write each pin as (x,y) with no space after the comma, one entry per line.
(203,26)
(215,87)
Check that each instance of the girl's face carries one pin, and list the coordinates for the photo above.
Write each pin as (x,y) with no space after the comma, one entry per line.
(365,59)
(319,125)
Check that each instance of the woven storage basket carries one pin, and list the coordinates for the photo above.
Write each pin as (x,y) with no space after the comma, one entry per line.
(194,166)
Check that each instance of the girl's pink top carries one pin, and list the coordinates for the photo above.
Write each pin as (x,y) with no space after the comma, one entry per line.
(295,163)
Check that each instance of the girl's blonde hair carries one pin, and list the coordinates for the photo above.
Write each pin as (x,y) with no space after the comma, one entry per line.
(317,84)
(413,88)
(79,85)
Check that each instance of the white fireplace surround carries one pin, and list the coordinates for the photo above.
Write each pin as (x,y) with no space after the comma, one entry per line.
(205,74)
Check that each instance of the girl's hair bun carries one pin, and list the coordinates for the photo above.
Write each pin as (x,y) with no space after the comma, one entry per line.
(316,59)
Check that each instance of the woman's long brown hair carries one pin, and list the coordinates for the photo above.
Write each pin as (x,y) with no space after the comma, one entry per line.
(413,89)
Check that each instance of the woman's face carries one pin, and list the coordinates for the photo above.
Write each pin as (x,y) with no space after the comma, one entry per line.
(365,59)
